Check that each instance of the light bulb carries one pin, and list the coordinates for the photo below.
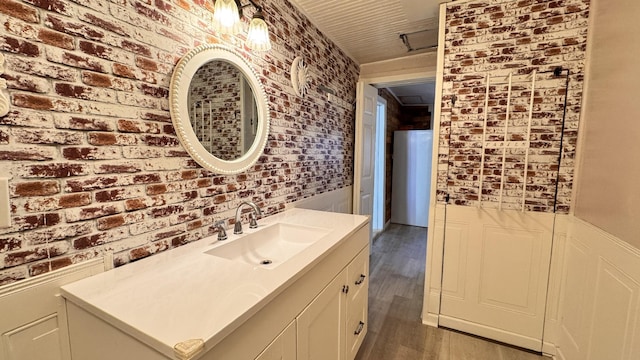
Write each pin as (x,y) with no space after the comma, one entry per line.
(258,34)
(226,18)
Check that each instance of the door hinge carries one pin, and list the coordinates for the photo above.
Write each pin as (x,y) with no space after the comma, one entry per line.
(447,198)
(345,289)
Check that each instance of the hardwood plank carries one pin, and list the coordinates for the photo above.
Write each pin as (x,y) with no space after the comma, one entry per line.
(396,268)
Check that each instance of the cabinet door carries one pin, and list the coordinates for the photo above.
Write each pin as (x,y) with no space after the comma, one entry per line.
(357,303)
(283,347)
(321,325)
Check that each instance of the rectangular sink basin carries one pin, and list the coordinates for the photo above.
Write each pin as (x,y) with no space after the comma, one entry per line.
(271,246)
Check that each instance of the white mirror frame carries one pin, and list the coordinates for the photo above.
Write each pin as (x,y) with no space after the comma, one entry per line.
(178,95)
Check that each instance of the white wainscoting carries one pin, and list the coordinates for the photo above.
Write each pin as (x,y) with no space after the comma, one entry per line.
(340,200)
(33,323)
(598,315)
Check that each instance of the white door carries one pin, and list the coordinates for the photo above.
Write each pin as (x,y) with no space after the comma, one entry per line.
(366,107)
(495,274)
(321,326)
(497,249)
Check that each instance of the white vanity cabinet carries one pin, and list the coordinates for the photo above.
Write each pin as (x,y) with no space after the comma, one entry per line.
(334,324)
(321,325)
(319,312)
(357,303)
(283,347)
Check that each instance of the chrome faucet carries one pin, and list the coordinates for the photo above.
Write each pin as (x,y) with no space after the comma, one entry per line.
(222,233)
(253,223)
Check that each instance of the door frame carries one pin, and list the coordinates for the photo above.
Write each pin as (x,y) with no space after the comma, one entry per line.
(379,208)
(430,302)
(437,213)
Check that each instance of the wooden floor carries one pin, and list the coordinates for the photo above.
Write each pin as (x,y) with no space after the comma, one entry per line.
(395,304)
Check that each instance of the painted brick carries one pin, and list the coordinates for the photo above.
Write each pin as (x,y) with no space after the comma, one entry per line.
(36,253)
(79,122)
(18,10)
(47,137)
(101,139)
(36,188)
(119,220)
(23,153)
(102,22)
(58,6)
(26,82)
(74,28)
(92,212)
(78,60)
(41,68)
(27,118)
(119,194)
(133,126)
(90,153)
(91,78)
(101,238)
(542,41)
(12,275)
(106,81)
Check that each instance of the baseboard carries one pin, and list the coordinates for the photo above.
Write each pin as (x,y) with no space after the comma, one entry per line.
(430,320)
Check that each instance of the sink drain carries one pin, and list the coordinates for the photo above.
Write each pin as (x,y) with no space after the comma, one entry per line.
(265,262)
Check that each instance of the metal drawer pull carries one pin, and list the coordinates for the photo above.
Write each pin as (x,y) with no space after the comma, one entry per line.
(361,279)
(359,329)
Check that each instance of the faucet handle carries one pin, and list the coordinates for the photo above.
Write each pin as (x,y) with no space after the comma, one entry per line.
(222,233)
(253,222)
(237,227)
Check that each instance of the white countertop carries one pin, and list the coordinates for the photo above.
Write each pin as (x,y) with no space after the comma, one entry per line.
(185,294)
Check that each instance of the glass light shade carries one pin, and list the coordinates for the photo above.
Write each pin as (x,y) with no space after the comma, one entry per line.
(258,34)
(226,18)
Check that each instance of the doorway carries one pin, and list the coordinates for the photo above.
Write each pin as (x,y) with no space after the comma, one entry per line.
(378,215)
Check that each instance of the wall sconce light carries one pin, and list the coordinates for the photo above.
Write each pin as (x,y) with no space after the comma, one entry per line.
(226,20)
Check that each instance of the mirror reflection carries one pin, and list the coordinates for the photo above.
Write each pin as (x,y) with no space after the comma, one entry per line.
(222,110)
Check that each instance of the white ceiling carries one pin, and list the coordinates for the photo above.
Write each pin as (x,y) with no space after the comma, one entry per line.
(415,94)
(369,30)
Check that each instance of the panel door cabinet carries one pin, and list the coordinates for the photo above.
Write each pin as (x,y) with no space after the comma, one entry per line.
(321,326)
(321,314)
(333,325)
(283,347)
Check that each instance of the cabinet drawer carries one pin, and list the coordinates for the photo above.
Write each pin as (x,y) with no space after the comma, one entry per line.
(357,303)
(357,324)
(358,275)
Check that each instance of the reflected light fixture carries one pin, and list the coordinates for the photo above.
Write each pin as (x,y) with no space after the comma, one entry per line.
(226,16)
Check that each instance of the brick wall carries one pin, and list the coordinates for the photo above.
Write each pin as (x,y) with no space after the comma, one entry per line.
(498,37)
(215,98)
(94,164)
(415,118)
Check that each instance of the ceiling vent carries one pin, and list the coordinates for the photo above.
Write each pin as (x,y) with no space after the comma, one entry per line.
(411,100)
(420,40)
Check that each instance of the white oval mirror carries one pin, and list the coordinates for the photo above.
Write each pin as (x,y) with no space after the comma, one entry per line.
(219,109)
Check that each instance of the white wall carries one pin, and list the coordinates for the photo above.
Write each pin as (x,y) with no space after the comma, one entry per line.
(598,262)
(413,67)
(608,195)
